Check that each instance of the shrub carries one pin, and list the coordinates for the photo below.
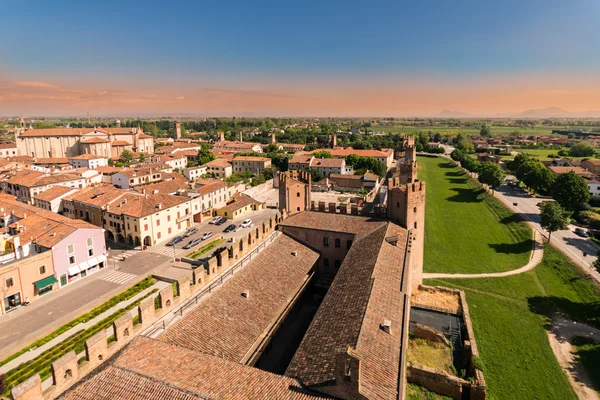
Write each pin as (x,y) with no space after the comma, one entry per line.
(477,364)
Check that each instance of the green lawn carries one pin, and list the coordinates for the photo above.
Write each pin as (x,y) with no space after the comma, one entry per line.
(205,249)
(510,315)
(416,392)
(588,353)
(491,239)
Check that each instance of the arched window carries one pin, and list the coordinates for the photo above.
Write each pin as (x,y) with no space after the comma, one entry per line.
(100,358)
(415,224)
(68,374)
(337,242)
(298,194)
(415,209)
(326,241)
(398,204)
(298,208)
(126,332)
(168,303)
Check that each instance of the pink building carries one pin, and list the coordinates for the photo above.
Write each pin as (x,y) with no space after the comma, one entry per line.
(79,254)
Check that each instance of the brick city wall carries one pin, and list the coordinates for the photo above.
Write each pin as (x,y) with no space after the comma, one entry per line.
(67,371)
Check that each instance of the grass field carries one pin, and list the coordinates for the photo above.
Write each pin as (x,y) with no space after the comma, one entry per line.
(511,315)
(491,239)
(588,353)
(205,249)
(416,392)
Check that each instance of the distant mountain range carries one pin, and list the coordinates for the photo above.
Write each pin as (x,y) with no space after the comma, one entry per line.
(549,112)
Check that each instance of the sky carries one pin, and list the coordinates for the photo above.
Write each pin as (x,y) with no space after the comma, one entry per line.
(308,58)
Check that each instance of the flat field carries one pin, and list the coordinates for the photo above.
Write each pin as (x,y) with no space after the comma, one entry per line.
(467,230)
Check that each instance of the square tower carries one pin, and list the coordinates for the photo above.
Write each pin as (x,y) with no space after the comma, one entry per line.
(294,191)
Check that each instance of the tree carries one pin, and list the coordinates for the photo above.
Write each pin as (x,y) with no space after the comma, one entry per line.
(485,130)
(204,155)
(271,148)
(322,154)
(142,157)
(553,217)
(126,156)
(570,190)
(465,147)
(457,155)
(596,263)
(581,149)
(491,174)
(437,137)
(315,175)
(518,161)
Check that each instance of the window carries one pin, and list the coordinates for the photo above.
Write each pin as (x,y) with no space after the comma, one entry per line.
(337,242)
(9,282)
(326,241)
(398,204)
(169,230)
(169,218)
(415,209)
(70,249)
(71,259)
(90,242)
(326,262)
(158,235)
(337,263)
(63,280)
(349,244)
(145,227)
(298,194)
(42,269)
(91,252)
(158,222)
(415,224)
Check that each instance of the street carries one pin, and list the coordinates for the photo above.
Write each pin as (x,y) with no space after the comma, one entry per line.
(567,241)
(124,268)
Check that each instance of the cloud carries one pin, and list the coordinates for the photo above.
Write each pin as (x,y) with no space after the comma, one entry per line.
(36,84)
(179,98)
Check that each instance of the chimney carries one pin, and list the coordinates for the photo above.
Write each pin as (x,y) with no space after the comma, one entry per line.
(143,190)
(246,294)
(295,253)
(159,206)
(386,326)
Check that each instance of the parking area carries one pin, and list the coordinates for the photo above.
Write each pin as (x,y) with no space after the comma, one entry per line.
(217,231)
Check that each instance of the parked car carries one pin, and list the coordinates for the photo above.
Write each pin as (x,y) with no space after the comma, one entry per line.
(246,223)
(229,228)
(222,221)
(215,220)
(191,231)
(206,235)
(192,243)
(175,240)
(581,232)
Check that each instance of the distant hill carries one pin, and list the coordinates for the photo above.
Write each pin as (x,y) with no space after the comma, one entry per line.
(452,114)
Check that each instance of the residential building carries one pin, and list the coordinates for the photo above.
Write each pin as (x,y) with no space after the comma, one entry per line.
(594,187)
(226,145)
(128,178)
(239,206)
(27,183)
(174,161)
(71,142)
(26,279)
(8,150)
(51,199)
(255,165)
(592,166)
(353,183)
(90,161)
(194,173)
(578,170)
(219,168)
(213,195)
(325,166)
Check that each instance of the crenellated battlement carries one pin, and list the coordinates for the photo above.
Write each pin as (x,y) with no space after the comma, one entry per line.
(72,367)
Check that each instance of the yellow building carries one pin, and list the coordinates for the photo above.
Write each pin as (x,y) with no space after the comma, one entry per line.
(239,206)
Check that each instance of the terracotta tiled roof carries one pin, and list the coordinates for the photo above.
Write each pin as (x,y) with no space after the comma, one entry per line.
(86,157)
(148,369)
(250,158)
(239,201)
(53,160)
(228,325)
(211,187)
(363,153)
(564,170)
(120,143)
(108,170)
(165,187)
(60,132)
(181,145)
(219,162)
(53,193)
(144,136)
(333,222)
(327,163)
(8,146)
(365,292)
(98,196)
(137,205)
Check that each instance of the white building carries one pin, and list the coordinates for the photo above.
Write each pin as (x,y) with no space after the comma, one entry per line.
(193,173)
(90,161)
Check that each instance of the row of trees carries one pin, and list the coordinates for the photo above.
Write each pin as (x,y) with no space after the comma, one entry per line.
(489,173)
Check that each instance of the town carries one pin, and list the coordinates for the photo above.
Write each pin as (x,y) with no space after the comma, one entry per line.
(116,233)
(340,200)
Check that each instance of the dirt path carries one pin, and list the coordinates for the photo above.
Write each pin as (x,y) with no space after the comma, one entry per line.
(563,332)
(537,253)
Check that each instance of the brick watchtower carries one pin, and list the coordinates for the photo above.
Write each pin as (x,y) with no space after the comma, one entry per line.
(406,207)
(294,191)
